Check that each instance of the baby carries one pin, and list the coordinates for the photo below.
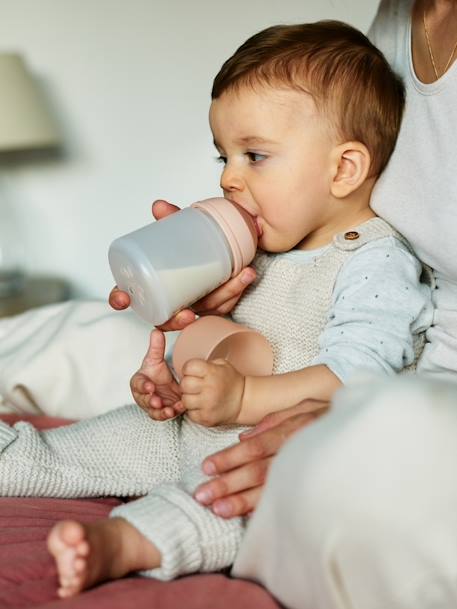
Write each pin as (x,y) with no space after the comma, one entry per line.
(304,118)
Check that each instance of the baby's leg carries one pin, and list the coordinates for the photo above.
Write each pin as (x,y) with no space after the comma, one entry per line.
(87,554)
(163,535)
(122,452)
(189,537)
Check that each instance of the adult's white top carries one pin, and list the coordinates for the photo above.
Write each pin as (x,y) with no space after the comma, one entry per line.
(417,193)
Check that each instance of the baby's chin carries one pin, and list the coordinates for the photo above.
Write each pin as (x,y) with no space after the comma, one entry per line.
(274,246)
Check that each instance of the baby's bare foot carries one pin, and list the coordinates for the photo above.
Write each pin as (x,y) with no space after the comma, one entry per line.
(87,554)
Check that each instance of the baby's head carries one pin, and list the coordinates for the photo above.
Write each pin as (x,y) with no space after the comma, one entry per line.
(305,117)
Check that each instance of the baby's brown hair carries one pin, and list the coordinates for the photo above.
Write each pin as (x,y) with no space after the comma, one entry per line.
(349,79)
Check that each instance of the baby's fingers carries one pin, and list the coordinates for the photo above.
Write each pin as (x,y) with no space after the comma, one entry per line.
(140,383)
(170,412)
(157,414)
(179,408)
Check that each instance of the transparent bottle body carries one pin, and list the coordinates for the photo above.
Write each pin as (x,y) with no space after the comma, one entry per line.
(168,265)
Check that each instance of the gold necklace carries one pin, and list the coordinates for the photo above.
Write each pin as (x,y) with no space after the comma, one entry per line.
(430,52)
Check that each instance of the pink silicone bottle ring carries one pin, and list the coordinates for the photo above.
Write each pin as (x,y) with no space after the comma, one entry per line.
(237,226)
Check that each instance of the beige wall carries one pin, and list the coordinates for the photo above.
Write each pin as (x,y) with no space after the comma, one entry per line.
(129,83)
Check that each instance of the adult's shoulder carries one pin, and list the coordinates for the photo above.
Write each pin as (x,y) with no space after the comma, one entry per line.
(390,29)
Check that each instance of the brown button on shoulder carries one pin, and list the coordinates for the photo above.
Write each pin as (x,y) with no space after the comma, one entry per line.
(351,235)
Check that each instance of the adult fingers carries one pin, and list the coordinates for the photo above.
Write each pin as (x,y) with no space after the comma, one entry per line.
(118,299)
(313,408)
(224,298)
(240,504)
(239,480)
(223,309)
(162,209)
(264,444)
(178,321)
(253,449)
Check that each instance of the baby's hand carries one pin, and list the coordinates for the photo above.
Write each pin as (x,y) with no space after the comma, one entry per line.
(153,386)
(212,391)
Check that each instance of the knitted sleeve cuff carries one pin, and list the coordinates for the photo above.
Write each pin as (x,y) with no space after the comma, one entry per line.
(189,536)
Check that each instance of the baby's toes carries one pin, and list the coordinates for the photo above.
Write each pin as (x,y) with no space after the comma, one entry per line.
(80,566)
(72,583)
(68,545)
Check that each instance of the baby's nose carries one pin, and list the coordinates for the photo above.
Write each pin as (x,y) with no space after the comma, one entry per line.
(231,179)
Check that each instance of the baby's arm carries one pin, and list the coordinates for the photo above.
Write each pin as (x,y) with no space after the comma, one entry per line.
(153,386)
(378,306)
(215,393)
(265,394)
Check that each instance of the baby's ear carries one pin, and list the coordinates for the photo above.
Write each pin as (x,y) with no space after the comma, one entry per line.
(351,164)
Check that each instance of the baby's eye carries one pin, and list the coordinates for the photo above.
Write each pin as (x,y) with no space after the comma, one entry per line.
(221,159)
(255,157)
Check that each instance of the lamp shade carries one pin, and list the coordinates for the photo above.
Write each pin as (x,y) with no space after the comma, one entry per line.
(25,122)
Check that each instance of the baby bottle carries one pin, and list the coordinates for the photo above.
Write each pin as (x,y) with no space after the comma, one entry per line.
(169,264)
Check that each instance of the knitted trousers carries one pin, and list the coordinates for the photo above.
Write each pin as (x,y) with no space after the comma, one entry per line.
(126,454)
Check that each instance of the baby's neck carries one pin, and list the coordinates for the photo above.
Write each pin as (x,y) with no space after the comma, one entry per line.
(349,213)
(325,236)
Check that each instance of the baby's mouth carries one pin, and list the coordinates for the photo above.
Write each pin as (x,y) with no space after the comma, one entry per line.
(257,224)
(258,227)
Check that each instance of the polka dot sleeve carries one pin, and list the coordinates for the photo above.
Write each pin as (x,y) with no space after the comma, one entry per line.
(378,305)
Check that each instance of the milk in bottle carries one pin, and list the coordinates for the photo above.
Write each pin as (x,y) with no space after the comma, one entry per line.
(169,264)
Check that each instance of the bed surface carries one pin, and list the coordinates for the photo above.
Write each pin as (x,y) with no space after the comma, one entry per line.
(28,576)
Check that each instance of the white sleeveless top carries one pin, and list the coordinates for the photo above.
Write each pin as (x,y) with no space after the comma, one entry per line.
(417,193)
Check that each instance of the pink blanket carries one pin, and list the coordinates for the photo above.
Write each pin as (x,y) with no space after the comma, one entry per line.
(28,577)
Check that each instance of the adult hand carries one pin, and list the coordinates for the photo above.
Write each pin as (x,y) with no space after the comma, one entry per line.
(219,302)
(240,471)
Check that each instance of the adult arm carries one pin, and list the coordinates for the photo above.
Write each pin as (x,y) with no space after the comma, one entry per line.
(219,302)
(240,471)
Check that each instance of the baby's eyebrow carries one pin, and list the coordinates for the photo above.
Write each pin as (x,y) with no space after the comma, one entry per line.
(249,140)
(255,139)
